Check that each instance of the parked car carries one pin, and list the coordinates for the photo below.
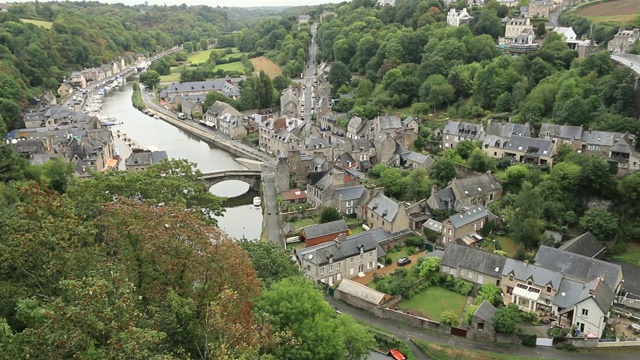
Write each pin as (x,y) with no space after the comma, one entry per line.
(404,261)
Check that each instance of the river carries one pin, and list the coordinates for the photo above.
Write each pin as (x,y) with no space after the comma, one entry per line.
(241,218)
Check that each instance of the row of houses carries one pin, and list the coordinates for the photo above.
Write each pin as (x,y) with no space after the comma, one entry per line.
(515,141)
(79,79)
(563,287)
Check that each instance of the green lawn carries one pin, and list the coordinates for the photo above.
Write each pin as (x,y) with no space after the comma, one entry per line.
(446,352)
(631,255)
(234,66)
(44,24)
(173,77)
(300,223)
(235,54)
(356,230)
(404,252)
(199,57)
(508,245)
(434,301)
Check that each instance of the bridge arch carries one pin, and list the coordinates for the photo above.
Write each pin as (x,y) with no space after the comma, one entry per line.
(251,177)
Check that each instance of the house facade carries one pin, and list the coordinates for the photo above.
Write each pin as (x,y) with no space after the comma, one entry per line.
(463,223)
(457,131)
(472,264)
(541,8)
(386,213)
(623,40)
(289,102)
(456,18)
(343,258)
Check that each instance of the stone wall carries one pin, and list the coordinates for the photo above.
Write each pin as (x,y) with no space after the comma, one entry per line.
(396,240)
(583,342)
(300,214)
(356,302)
(413,320)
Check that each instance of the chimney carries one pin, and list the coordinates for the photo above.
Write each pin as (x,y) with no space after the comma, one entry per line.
(340,239)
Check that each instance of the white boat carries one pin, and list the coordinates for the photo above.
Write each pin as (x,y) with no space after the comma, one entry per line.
(257,201)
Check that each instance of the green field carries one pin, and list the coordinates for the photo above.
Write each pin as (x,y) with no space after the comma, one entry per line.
(508,245)
(173,77)
(434,301)
(44,24)
(631,255)
(404,252)
(618,19)
(234,66)
(199,57)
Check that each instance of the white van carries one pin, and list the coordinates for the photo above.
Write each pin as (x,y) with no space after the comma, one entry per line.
(182,116)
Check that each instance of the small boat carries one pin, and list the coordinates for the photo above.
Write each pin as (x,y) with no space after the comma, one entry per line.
(257,201)
(397,355)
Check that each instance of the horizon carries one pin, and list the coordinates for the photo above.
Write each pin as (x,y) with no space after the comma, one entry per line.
(212,3)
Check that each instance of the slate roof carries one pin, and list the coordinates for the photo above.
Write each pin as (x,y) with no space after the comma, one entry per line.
(485,312)
(466,129)
(333,227)
(529,145)
(602,295)
(226,85)
(158,156)
(320,254)
(445,198)
(219,108)
(585,244)
(433,225)
(568,293)
(142,158)
(568,132)
(417,157)
(288,95)
(475,185)
(355,123)
(603,138)
(472,214)
(384,206)
(388,122)
(539,275)
(554,235)
(361,292)
(578,266)
(475,259)
(506,129)
(346,159)
(350,193)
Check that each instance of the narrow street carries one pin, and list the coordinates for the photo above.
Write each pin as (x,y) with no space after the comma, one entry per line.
(405,332)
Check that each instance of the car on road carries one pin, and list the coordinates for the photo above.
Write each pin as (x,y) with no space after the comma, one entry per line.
(403,261)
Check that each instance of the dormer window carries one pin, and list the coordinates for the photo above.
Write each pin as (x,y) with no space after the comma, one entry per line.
(510,277)
(548,288)
(529,282)
(361,249)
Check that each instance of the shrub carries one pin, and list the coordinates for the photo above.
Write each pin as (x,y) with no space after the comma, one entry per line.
(388,260)
(529,340)
(449,317)
(411,251)
(558,332)
(414,242)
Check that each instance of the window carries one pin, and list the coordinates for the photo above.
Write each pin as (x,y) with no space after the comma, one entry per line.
(338,266)
(490,197)
(529,282)
(369,265)
(548,289)
(447,137)
(585,312)
(350,203)
(480,326)
(510,277)
(322,270)
(330,268)
(349,211)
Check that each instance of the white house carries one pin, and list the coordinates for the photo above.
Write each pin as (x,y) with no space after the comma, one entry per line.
(567,32)
(456,18)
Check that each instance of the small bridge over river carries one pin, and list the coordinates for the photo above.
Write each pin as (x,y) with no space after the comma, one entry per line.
(251,177)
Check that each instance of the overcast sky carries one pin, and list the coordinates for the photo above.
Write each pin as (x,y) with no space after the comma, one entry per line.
(233,3)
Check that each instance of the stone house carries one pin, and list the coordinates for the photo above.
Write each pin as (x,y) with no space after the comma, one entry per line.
(591,309)
(457,131)
(386,213)
(321,233)
(472,264)
(342,258)
(293,196)
(515,27)
(191,108)
(321,193)
(289,102)
(65,89)
(386,148)
(482,189)
(304,19)
(354,127)
(456,18)
(418,213)
(77,80)
(349,200)
(623,40)
(463,223)
(523,149)
(140,160)
(414,160)
(562,134)
(531,287)
(541,8)
(232,125)
(481,327)
(360,296)
(217,109)
(227,86)
(387,124)
(567,33)
(362,150)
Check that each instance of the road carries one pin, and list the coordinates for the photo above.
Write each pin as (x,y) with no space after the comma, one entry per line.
(271,210)
(405,332)
(629,60)
(310,76)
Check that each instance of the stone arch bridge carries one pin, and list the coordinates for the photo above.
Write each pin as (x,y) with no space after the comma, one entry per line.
(251,177)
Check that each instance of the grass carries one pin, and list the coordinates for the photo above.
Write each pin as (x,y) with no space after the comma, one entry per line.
(43,24)
(199,57)
(508,245)
(234,66)
(173,77)
(300,223)
(404,252)
(136,97)
(435,300)
(356,230)
(618,19)
(631,255)
(445,352)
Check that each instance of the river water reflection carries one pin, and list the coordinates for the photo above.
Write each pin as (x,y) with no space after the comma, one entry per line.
(241,218)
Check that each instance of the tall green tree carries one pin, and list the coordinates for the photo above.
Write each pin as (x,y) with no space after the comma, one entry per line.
(526,224)
(339,75)
(150,78)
